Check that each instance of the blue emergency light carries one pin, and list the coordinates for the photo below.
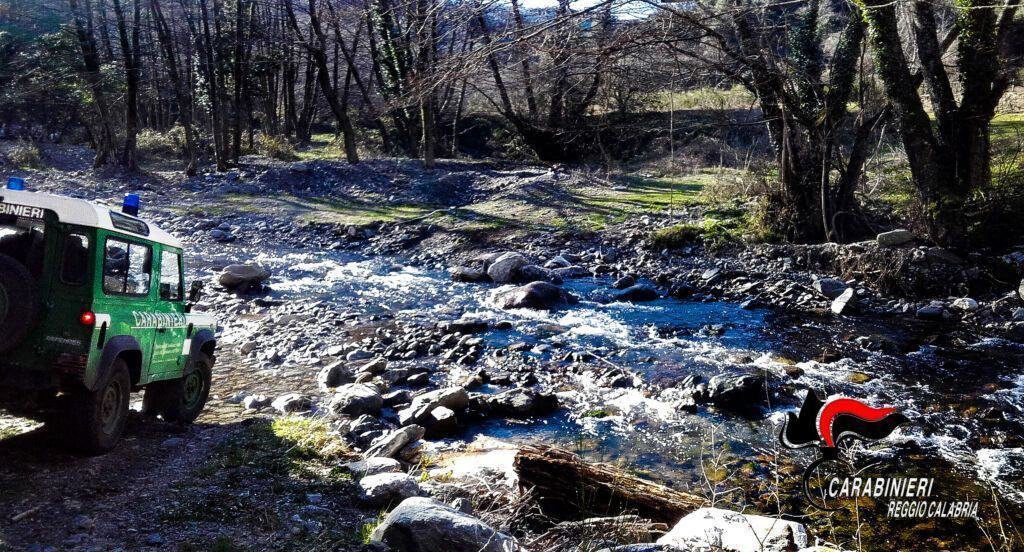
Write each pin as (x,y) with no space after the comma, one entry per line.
(131,205)
(15,183)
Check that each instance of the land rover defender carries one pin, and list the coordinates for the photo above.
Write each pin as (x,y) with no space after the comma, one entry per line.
(92,308)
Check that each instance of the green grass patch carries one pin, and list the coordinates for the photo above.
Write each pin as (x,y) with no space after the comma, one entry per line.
(326,210)
(596,413)
(736,97)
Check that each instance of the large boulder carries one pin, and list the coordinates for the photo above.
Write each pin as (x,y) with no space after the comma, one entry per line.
(387,488)
(467,274)
(505,268)
(894,238)
(292,402)
(521,402)
(715,529)
(242,277)
(356,399)
(736,391)
(845,302)
(637,293)
(333,375)
(419,410)
(425,525)
(535,295)
(830,287)
(391,443)
(373,466)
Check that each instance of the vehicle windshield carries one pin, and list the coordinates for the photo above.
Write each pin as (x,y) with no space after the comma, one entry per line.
(23,239)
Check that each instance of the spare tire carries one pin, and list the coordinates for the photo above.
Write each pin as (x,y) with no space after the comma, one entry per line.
(19,303)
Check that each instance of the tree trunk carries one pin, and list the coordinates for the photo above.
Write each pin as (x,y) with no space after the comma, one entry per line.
(104,137)
(568,488)
(181,91)
(130,50)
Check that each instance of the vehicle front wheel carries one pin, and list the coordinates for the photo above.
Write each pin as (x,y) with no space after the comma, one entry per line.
(181,400)
(93,421)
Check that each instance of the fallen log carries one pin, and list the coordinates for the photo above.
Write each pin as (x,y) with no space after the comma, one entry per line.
(569,488)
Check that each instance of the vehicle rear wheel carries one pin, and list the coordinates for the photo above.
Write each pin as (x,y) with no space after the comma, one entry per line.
(19,303)
(181,400)
(93,421)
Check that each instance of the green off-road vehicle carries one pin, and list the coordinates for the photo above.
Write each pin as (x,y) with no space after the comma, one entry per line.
(93,307)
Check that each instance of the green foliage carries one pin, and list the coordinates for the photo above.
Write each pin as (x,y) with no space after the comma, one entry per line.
(276,147)
(676,236)
(596,413)
(25,155)
(154,142)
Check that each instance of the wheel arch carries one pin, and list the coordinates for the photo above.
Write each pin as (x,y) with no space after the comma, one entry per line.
(204,342)
(123,347)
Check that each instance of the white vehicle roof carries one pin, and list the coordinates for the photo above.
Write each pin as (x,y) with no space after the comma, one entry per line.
(83,213)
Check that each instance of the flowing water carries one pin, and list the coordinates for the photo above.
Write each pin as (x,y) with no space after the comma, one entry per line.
(966,398)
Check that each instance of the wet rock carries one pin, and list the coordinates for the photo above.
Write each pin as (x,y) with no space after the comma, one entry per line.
(736,392)
(681,290)
(292,402)
(505,268)
(333,375)
(467,274)
(358,354)
(425,525)
(419,411)
(396,398)
(830,287)
(1020,290)
(708,529)
(570,272)
(894,238)
(535,295)
(375,366)
(355,399)
(965,304)
(442,423)
(418,380)
(557,262)
(243,277)
(711,275)
(373,466)
(521,402)
(385,488)
(534,273)
(638,293)
(624,282)
(845,303)
(933,311)
(468,325)
(394,441)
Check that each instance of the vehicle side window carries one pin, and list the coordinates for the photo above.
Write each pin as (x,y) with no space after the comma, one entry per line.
(74,263)
(170,276)
(127,268)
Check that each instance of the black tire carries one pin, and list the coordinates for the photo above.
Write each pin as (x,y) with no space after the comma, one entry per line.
(181,400)
(19,303)
(93,421)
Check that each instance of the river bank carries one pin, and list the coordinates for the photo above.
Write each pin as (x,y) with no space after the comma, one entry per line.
(355,310)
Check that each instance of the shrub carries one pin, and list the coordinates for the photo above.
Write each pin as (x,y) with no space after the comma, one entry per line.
(154,142)
(25,155)
(275,147)
(676,236)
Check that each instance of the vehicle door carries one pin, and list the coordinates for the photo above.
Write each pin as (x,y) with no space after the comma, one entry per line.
(127,293)
(170,350)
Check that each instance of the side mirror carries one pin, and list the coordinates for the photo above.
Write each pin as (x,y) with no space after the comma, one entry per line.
(196,292)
